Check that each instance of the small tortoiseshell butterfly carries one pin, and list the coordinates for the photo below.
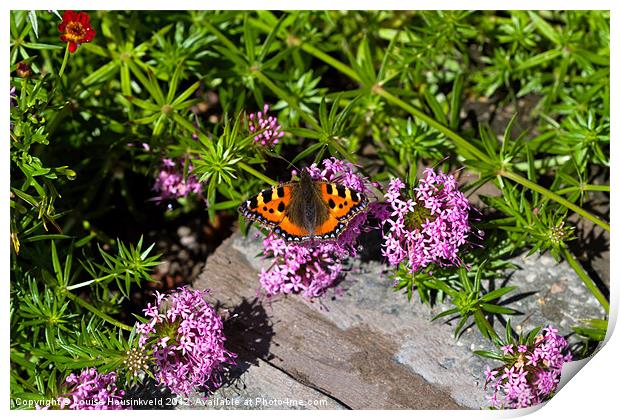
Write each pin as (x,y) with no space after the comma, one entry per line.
(304,210)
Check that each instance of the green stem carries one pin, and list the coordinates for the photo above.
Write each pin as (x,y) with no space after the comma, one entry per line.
(64,62)
(459,141)
(553,196)
(257,174)
(97,312)
(589,187)
(543,163)
(326,58)
(587,281)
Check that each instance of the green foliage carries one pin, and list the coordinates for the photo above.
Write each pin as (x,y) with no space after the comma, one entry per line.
(508,338)
(592,329)
(390,91)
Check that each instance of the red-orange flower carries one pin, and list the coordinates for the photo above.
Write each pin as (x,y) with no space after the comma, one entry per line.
(75,29)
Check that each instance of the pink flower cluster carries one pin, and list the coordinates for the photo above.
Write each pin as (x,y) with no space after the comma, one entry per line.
(531,373)
(304,268)
(311,268)
(185,334)
(268,131)
(92,391)
(429,227)
(171,183)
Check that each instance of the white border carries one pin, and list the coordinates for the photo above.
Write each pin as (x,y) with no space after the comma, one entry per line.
(591,394)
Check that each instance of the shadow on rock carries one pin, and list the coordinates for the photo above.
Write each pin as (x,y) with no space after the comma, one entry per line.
(370,246)
(248,333)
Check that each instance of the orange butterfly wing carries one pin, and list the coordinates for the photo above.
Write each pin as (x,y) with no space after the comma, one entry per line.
(344,203)
(290,231)
(268,207)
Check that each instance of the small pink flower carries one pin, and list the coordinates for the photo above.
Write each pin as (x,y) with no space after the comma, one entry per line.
(92,390)
(267,130)
(507,349)
(489,374)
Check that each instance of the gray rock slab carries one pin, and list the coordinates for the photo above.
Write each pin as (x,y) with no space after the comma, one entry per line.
(368,347)
(261,386)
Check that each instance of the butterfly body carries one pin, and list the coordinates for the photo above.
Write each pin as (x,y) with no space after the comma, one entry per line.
(305,210)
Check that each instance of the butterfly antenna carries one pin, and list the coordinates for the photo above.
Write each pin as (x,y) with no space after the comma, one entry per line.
(290,164)
(440,162)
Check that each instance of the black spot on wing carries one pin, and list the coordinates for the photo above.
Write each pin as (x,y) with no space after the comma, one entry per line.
(331,203)
(253,203)
(355,196)
(281,207)
(342,191)
(266,196)
(280,192)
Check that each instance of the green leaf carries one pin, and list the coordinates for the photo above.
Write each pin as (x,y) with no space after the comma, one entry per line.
(532,335)
(150,106)
(45,237)
(539,59)
(496,309)
(497,293)
(432,102)
(446,313)
(39,46)
(456,98)
(489,354)
(270,39)
(544,28)
(32,18)
(102,74)
(186,94)
(308,151)
(482,325)
(56,261)
(248,39)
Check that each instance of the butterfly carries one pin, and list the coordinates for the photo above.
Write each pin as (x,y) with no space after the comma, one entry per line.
(305,209)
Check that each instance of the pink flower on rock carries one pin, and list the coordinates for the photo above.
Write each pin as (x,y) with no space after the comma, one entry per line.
(524,384)
(429,227)
(91,390)
(305,268)
(268,131)
(312,267)
(185,334)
